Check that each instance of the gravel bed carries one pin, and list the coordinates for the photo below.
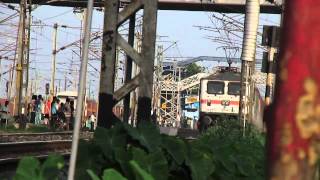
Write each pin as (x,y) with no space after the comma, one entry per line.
(23,137)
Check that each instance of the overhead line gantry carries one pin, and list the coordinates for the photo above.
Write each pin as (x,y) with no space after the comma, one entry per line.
(225,6)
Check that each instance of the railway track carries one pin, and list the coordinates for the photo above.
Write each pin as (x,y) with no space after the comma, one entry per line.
(12,152)
(46,136)
(16,150)
(189,134)
(184,133)
(14,146)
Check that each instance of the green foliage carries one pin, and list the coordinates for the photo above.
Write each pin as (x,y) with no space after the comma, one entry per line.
(141,174)
(108,174)
(30,168)
(237,156)
(111,174)
(143,154)
(221,153)
(193,69)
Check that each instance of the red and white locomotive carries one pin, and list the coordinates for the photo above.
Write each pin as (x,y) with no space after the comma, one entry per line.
(219,96)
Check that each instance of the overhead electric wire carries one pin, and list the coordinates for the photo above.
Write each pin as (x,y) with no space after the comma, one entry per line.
(61,14)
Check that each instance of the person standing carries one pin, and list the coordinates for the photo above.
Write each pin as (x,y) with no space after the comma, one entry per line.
(54,112)
(33,109)
(39,108)
(92,122)
(72,114)
(67,113)
(4,110)
(178,120)
(47,110)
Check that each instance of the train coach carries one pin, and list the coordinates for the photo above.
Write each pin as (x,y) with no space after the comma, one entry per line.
(219,97)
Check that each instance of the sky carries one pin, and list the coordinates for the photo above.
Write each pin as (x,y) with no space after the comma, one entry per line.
(173,27)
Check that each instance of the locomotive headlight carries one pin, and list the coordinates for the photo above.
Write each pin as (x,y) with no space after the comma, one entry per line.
(225,103)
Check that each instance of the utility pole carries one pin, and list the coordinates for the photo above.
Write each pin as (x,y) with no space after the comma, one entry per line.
(19,68)
(27,59)
(270,69)
(0,68)
(10,82)
(89,90)
(54,53)
(178,99)
(135,71)
(31,87)
(248,58)
(59,86)
(128,69)
(159,79)
(148,51)
(81,89)
(28,47)
(270,39)
(65,82)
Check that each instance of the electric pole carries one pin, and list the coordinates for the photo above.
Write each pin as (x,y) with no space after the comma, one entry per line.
(128,68)
(27,59)
(10,81)
(270,71)
(28,48)
(65,82)
(248,58)
(0,68)
(89,90)
(19,68)
(59,86)
(54,53)
(270,39)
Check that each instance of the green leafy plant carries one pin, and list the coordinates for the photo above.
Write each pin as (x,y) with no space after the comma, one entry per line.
(236,156)
(220,153)
(142,153)
(31,168)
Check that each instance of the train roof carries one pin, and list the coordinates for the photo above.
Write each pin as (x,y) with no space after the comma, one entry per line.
(225,76)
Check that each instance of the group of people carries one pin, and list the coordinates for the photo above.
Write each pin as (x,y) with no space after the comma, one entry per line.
(51,112)
(4,113)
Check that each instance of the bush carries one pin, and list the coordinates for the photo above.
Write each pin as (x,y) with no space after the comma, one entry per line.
(139,153)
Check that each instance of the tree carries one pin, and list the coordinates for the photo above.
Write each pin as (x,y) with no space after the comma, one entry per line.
(193,69)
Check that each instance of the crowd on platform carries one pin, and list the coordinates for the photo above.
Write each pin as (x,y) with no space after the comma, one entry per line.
(50,112)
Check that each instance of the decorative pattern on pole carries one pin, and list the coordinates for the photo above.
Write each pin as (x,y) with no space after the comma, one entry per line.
(145,60)
(293,120)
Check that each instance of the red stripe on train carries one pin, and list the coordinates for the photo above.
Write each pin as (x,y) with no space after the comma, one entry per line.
(233,103)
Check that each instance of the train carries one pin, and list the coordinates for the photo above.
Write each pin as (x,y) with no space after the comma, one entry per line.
(219,97)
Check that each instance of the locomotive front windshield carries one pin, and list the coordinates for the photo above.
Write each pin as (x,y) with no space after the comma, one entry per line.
(234,88)
(214,87)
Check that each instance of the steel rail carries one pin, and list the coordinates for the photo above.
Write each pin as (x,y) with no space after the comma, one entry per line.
(33,148)
(24,137)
